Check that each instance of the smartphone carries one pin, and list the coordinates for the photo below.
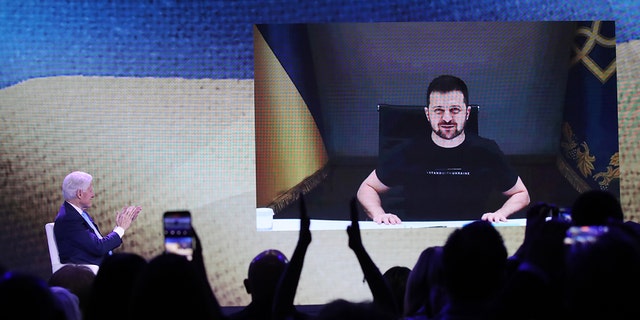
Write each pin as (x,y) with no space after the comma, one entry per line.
(582,235)
(179,237)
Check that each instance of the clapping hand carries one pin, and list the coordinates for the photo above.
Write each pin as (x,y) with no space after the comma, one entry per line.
(127,215)
(305,223)
(355,240)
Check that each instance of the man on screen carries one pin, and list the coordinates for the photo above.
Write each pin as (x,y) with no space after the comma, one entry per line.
(450,176)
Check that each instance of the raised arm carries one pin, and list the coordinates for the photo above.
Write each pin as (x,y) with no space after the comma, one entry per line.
(198,263)
(382,294)
(288,285)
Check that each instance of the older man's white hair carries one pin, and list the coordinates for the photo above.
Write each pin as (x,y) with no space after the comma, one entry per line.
(75,181)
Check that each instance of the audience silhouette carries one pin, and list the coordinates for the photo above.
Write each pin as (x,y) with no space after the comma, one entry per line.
(397,277)
(113,284)
(78,279)
(602,266)
(382,294)
(383,305)
(172,287)
(67,302)
(264,274)
(341,309)
(534,286)
(474,259)
(283,303)
(26,296)
(595,208)
(425,295)
(583,268)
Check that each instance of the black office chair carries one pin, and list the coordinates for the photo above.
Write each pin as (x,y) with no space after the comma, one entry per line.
(399,124)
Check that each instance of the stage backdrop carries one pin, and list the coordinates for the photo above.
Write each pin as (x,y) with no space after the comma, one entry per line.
(156,100)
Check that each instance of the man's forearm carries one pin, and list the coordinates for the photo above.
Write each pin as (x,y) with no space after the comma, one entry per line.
(515,203)
(370,201)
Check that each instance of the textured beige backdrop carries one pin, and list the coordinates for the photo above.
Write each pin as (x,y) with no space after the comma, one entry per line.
(169,144)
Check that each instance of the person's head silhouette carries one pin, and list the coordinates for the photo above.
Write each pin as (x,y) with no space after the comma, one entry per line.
(264,273)
(596,207)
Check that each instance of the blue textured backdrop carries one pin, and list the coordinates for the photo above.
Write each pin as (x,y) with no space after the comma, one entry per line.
(199,39)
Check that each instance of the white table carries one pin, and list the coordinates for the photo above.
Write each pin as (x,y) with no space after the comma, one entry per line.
(294,224)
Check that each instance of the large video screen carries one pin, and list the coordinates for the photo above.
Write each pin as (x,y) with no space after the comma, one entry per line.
(320,130)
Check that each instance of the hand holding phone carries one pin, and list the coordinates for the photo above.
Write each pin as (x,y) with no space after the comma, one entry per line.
(179,237)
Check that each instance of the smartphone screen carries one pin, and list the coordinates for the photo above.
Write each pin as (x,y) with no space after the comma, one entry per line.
(583,235)
(178,233)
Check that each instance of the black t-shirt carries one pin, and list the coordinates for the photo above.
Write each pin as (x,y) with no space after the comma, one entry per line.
(446,183)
